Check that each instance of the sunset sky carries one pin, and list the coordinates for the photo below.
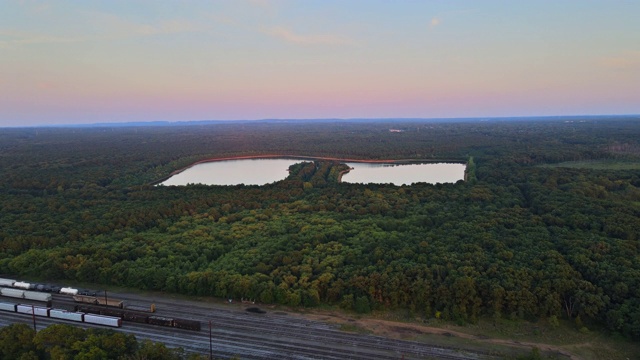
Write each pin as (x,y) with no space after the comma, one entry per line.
(64,62)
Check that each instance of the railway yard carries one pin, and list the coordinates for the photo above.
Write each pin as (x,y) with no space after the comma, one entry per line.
(236,332)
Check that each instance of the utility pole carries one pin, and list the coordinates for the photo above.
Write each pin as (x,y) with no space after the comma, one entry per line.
(210,345)
(33,315)
(105,297)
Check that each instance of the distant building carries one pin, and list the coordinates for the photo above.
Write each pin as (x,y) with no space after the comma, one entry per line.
(395,130)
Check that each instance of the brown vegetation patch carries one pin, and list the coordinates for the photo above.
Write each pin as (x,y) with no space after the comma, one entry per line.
(408,331)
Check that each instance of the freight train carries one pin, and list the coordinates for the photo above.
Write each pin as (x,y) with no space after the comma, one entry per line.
(141,317)
(101,315)
(96,305)
(23,290)
(10,283)
(62,314)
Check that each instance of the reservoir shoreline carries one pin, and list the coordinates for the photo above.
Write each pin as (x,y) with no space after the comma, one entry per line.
(303,157)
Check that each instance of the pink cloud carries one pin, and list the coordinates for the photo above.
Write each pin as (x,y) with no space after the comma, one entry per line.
(291,37)
(45,85)
(627,61)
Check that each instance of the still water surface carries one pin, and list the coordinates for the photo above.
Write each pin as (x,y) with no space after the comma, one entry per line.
(265,171)
(404,174)
(234,172)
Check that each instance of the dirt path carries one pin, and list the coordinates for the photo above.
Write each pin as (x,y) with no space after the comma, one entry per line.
(405,331)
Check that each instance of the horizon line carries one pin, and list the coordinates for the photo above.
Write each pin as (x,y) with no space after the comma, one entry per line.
(363,119)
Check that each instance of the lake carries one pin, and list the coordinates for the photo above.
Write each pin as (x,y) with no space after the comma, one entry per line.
(234,172)
(265,171)
(404,174)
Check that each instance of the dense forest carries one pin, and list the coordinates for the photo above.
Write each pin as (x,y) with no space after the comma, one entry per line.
(546,225)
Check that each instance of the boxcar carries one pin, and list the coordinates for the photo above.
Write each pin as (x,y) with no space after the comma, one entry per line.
(33,310)
(8,307)
(6,282)
(103,320)
(37,296)
(66,315)
(14,293)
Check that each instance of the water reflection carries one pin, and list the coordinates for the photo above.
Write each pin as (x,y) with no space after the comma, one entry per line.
(404,174)
(234,172)
(265,171)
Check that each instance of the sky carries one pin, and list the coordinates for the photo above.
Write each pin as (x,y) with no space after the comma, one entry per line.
(72,62)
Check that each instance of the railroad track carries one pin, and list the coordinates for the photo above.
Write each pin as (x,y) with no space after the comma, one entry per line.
(260,336)
(283,326)
(275,336)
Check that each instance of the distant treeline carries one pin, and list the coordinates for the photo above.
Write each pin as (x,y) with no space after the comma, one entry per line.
(517,240)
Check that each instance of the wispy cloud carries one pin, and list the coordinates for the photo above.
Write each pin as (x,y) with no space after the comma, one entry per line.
(261,3)
(168,27)
(45,85)
(21,38)
(107,27)
(626,61)
(41,7)
(287,35)
(112,25)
